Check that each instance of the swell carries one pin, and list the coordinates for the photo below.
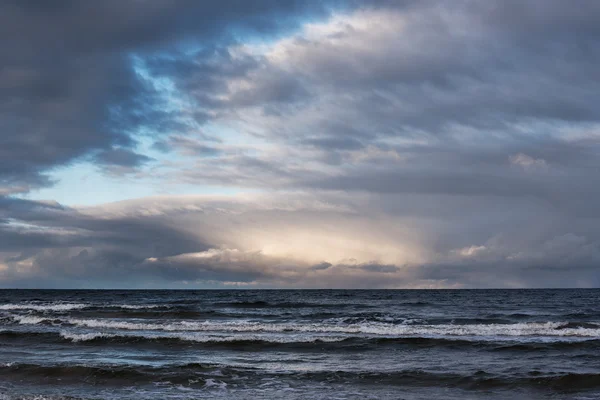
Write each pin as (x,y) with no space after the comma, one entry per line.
(51,314)
(69,306)
(52,307)
(289,304)
(285,342)
(199,374)
(529,329)
(351,313)
(166,313)
(246,342)
(106,374)
(480,380)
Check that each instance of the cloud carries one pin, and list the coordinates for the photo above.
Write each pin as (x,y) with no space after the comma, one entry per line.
(120,161)
(471,251)
(294,240)
(388,144)
(403,98)
(267,242)
(527,162)
(70,86)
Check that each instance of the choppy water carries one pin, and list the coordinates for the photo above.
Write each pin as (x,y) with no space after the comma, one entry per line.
(338,344)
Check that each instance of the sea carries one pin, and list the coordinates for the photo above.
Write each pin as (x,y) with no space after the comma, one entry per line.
(300,344)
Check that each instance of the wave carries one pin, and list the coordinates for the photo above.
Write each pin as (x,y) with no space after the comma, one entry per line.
(226,341)
(138,306)
(312,342)
(6,396)
(43,307)
(308,342)
(578,325)
(416,303)
(479,380)
(62,307)
(286,304)
(34,320)
(527,329)
(199,375)
(20,335)
(156,313)
(113,374)
(130,338)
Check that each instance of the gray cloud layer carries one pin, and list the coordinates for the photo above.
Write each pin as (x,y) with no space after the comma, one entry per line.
(67,86)
(441,143)
(297,240)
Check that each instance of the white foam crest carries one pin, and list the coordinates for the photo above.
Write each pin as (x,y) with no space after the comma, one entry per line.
(212,383)
(253,338)
(551,329)
(203,338)
(137,306)
(28,320)
(85,337)
(43,307)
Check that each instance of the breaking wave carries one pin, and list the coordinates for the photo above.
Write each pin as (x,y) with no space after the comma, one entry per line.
(544,329)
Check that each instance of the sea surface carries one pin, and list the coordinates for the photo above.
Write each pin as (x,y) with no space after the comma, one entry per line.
(286,344)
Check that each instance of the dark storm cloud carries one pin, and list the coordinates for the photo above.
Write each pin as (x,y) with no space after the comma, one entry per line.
(35,224)
(200,146)
(90,105)
(67,82)
(65,247)
(121,157)
(321,266)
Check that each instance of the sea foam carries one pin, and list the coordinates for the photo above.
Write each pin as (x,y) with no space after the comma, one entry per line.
(548,329)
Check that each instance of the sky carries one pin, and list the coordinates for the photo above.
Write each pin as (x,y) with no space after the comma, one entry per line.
(299,144)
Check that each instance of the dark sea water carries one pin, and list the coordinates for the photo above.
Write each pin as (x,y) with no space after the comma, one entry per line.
(327,344)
